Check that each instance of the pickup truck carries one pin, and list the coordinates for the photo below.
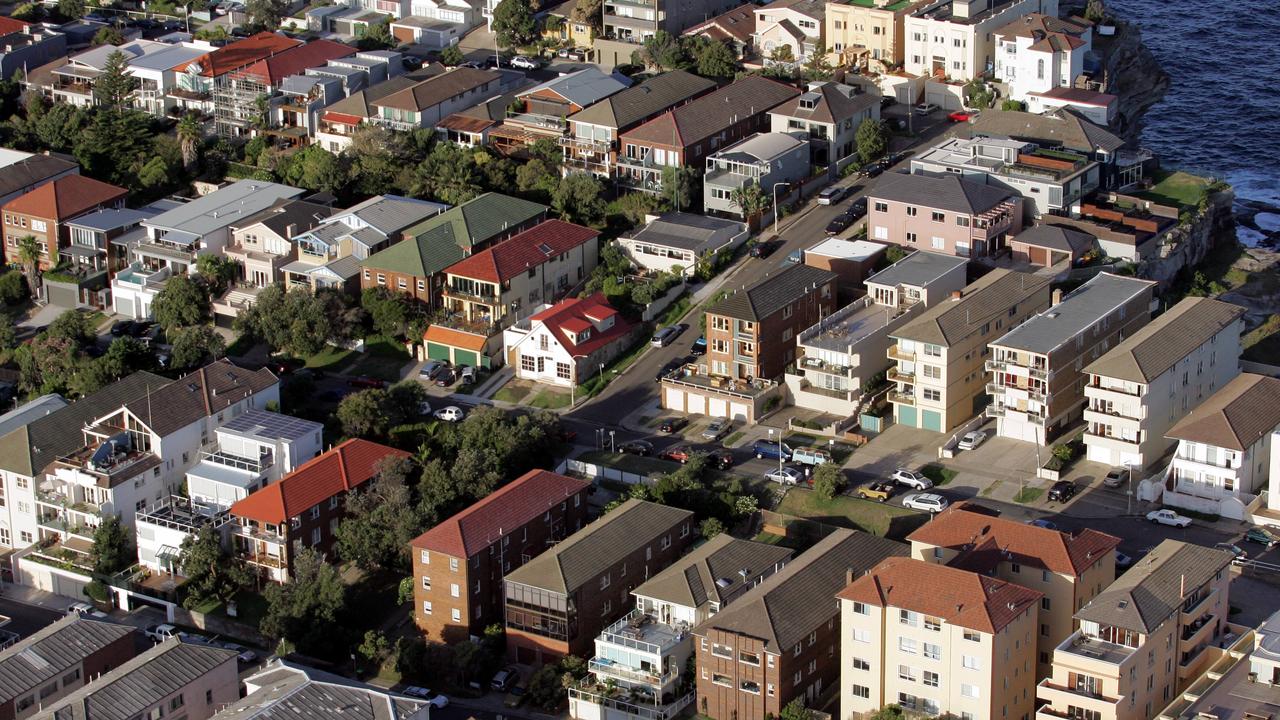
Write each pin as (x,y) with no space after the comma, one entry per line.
(878,491)
(810,456)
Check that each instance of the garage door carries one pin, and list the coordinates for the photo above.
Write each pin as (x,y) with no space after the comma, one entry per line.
(697,404)
(738,411)
(124,306)
(907,415)
(465,357)
(717,407)
(673,399)
(436,351)
(931,420)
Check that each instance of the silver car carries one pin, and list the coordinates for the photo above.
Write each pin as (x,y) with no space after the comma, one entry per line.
(716,430)
(928,502)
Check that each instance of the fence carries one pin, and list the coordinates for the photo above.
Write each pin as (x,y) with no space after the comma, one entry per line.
(800,530)
(597,471)
(655,308)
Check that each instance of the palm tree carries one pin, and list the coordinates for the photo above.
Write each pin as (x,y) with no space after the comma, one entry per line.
(29,255)
(750,199)
(189,135)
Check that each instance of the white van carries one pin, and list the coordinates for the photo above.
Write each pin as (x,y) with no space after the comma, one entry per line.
(664,336)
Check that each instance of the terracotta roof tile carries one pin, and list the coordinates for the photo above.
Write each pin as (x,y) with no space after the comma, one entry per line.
(240,53)
(273,69)
(66,197)
(567,315)
(454,338)
(984,540)
(520,252)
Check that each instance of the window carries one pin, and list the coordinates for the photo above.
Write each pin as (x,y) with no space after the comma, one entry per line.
(862,691)
(962,221)
(333,505)
(881,206)
(723,651)
(176,702)
(750,686)
(527,363)
(932,394)
(972,636)
(562,371)
(604,581)
(970,662)
(426,582)
(425,557)
(912,211)
(907,645)
(939,217)
(456,615)
(1044,603)
(930,678)
(860,664)
(911,237)
(315,536)
(454,590)
(907,617)
(315,512)
(969,691)
(933,652)
(862,636)
(453,564)
(749,658)
(70,677)
(719,679)
(860,608)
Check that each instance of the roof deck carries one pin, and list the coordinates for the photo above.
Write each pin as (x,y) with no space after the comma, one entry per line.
(848,326)
(642,631)
(1095,648)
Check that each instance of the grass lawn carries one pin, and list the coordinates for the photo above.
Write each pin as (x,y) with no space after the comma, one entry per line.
(675,311)
(1262,344)
(729,441)
(1177,188)
(251,607)
(1028,495)
(550,400)
(938,474)
(592,385)
(844,511)
(840,452)
(769,538)
(332,358)
(629,463)
(511,394)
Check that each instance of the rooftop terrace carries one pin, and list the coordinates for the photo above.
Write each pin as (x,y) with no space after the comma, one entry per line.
(849,325)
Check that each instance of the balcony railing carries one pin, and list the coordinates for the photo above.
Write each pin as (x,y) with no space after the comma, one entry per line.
(216,454)
(1032,393)
(1015,368)
(263,559)
(587,144)
(598,694)
(897,353)
(901,399)
(609,668)
(896,374)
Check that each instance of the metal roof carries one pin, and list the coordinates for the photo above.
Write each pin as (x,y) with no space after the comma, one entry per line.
(1078,311)
(917,269)
(719,570)
(980,302)
(128,690)
(52,651)
(760,147)
(105,219)
(30,411)
(271,426)
(285,691)
(223,207)
(583,87)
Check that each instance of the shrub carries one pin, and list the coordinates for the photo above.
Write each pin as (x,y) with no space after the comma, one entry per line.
(1016,105)
(97,590)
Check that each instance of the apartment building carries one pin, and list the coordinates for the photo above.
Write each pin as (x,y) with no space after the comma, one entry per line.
(767,160)
(1037,368)
(26,45)
(1050,181)
(44,211)
(237,94)
(339,121)
(829,114)
(1142,386)
(262,245)
(24,172)
(568,342)
(952,39)
(192,680)
(640,669)
(58,659)
(591,143)
(458,565)
(558,602)
(945,213)
(627,23)
(792,24)
(866,35)
(750,342)
(939,372)
(780,640)
(1069,131)
(98,248)
(198,78)
(429,101)
(1067,569)
(542,111)
(303,509)
(937,640)
(1224,455)
(1037,53)
(686,135)
(1144,639)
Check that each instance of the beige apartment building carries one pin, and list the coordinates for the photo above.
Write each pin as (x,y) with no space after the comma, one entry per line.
(938,357)
(1143,640)
(937,640)
(1067,569)
(866,34)
(1037,368)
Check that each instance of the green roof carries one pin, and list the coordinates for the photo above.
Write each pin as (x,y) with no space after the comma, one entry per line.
(440,241)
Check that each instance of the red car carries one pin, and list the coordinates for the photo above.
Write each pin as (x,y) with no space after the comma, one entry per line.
(962,116)
(366,382)
(678,454)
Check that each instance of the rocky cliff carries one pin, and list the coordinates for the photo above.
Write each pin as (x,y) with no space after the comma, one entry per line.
(1131,73)
(1189,243)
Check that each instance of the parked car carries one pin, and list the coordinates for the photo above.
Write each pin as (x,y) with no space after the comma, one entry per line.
(764,248)
(928,502)
(433,698)
(962,116)
(716,430)
(672,424)
(466,375)
(795,258)
(888,101)
(505,678)
(361,381)
(429,369)
(1262,536)
(84,609)
(832,195)
(679,453)
(911,479)
(446,378)
(785,476)
(857,209)
(452,413)
(926,109)
(243,654)
(699,345)
(497,61)
(1062,491)
(578,54)
(1168,517)
(515,697)
(122,327)
(637,447)
(664,336)
(770,449)
(1117,477)
(1123,561)
(722,458)
(839,223)
(810,456)
(971,440)
(1042,523)
(524,63)
(878,491)
(161,632)
(872,170)
(1239,553)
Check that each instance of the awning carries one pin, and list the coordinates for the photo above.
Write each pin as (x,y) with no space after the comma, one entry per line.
(168,552)
(180,237)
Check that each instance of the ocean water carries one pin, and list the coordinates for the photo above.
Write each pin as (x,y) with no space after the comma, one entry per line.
(1221,115)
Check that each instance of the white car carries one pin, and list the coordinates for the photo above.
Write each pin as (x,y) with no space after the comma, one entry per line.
(971,440)
(926,109)
(911,479)
(786,476)
(524,63)
(86,610)
(433,698)
(925,501)
(162,632)
(832,195)
(715,430)
(1168,517)
(243,654)
(453,413)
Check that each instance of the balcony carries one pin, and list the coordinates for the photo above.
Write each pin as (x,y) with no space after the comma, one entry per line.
(1063,695)
(138,277)
(585,144)
(689,376)
(897,353)
(263,559)
(452,292)
(258,534)
(1191,657)
(109,468)
(215,454)
(898,398)
(1016,368)
(1015,390)
(538,121)
(641,631)
(1197,608)
(605,668)
(1196,631)
(1095,649)
(897,375)
(628,703)
(811,363)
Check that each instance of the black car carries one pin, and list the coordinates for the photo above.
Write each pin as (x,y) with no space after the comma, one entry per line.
(671,425)
(637,447)
(764,248)
(888,101)
(872,170)
(446,378)
(723,459)
(667,369)
(1062,491)
(122,327)
(840,223)
(857,208)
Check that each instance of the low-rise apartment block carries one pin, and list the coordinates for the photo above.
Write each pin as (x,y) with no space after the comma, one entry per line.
(263,245)
(948,214)
(628,24)
(953,39)
(939,372)
(429,101)
(780,641)
(1141,387)
(764,159)
(937,640)
(1072,132)
(43,213)
(640,669)
(1143,640)
(1037,376)
(542,111)
(458,565)
(558,602)
(795,25)
(1068,570)
(866,35)
(59,659)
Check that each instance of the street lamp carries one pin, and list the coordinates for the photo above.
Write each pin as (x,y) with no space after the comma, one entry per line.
(779,452)
(775,208)
(613,448)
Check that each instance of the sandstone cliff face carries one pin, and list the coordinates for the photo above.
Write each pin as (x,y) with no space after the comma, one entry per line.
(1132,74)
(1187,245)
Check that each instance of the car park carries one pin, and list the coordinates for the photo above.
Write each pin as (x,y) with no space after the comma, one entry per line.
(433,698)
(466,375)
(1262,536)
(452,413)
(769,449)
(1062,491)
(878,491)
(505,678)
(784,476)
(524,63)
(1117,477)
(637,447)
(911,479)
(971,440)
(446,377)
(679,453)
(1168,517)
(832,195)
(672,424)
(664,336)
(716,430)
(929,502)
(925,109)
(160,632)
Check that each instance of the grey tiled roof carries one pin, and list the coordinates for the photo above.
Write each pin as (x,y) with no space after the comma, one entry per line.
(790,604)
(917,269)
(1061,127)
(1159,345)
(391,213)
(52,651)
(1152,590)
(982,301)
(772,293)
(301,214)
(644,100)
(833,104)
(291,692)
(1235,417)
(1056,237)
(712,572)
(1079,310)
(579,558)
(696,121)
(947,192)
(198,394)
(689,231)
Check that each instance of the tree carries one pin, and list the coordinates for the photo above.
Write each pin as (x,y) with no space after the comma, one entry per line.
(8,332)
(1013,105)
(304,610)
(888,712)
(750,199)
(106,35)
(193,345)
(452,56)
(13,285)
(677,186)
(112,546)
(579,199)
(782,55)
(116,143)
(635,206)
(448,173)
(714,58)
(217,272)
(71,9)
(795,710)
(189,136)
(387,309)
(380,521)
(361,414)
(710,527)
(28,12)
(378,37)
(182,302)
(514,24)
(30,254)
(212,574)
(871,139)
(817,67)
(48,365)
(1095,11)
(374,647)
(538,177)
(73,326)
(589,12)
(663,51)
(265,14)
(124,356)
(828,481)
(114,86)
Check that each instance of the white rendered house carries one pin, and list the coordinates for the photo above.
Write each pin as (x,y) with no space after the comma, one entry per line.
(1036,53)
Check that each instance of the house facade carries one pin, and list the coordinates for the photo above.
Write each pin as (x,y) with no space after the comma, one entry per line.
(829,114)
(568,342)
(1141,387)
(953,39)
(679,241)
(866,34)
(792,24)
(1037,53)
(43,213)
(945,214)
(262,245)
(426,103)
(625,26)
(542,111)
(766,160)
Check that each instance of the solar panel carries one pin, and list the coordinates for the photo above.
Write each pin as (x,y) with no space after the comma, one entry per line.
(270,424)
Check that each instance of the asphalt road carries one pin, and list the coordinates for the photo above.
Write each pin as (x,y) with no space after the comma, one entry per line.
(26,619)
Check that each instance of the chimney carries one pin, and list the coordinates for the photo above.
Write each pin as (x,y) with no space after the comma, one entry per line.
(291,230)
(1057,297)
(957,294)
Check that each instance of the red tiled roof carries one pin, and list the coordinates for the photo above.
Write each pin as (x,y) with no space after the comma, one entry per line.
(273,69)
(342,468)
(454,338)
(66,198)
(566,317)
(985,540)
(344,118)
(10,25)
(240,53)
(959,597)
(504,510)
(528,249)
